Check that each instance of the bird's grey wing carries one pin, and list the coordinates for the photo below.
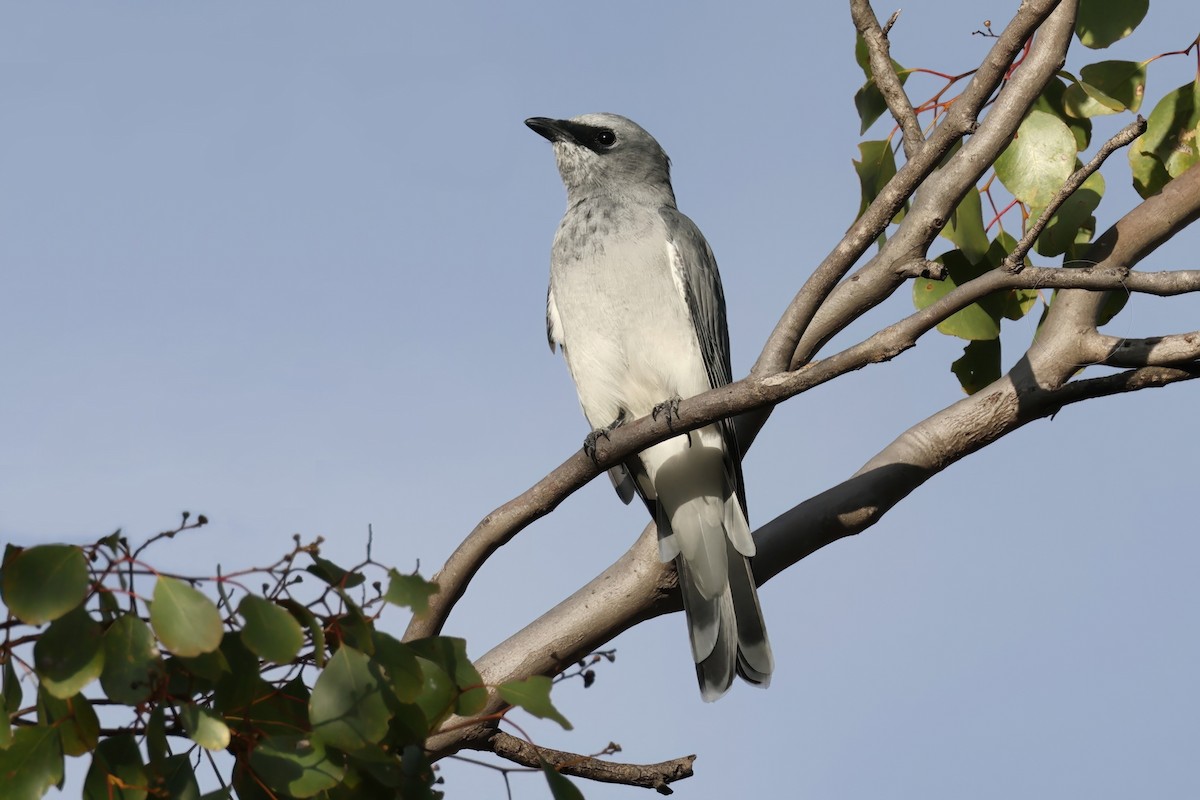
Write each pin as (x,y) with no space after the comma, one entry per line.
(695,268)
(622,481)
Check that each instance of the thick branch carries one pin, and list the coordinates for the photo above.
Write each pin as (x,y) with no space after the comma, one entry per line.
(885,77)
(1071,323)
(777,354)
(647,776)
(1153,351)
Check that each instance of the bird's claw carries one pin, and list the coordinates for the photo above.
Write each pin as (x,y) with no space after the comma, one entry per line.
(589,443)
(669,410)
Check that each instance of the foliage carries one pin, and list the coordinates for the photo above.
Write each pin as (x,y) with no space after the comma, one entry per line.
(294,682)
(1043,154)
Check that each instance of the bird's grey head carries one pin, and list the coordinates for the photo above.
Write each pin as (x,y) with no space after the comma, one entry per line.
(607,154)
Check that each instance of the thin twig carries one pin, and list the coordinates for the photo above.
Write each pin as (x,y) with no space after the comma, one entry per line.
(649,776)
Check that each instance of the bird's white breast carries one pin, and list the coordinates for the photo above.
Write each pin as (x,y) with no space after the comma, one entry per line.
(627,331)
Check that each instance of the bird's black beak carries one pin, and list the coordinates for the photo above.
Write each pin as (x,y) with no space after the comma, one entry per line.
(556,130)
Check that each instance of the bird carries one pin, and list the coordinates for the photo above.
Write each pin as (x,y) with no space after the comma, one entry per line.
(636,306)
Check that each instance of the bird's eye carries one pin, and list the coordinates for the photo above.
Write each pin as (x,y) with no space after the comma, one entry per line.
(606,138)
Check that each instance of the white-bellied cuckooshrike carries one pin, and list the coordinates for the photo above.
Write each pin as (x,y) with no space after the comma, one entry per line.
(636,305)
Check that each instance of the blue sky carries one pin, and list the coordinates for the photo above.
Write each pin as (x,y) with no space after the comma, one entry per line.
(285,264)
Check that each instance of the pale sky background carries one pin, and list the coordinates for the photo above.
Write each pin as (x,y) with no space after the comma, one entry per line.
(285,264)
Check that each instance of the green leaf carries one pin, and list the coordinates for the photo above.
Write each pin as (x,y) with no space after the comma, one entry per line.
(965,227)
(74,719)
(332,574)
(868,100)
(32,763)
(1039,159)
(438,693)
(204,727)
(315,630)
(1019,302)
(12,687)
(1099,23)
(209,667)
(297,766)
(1107,87)
(274,710)
(1052,101)
(972,322)
(117,772)
(68,655)
(156,734)
(400,664)
(347,709)
(174,778)
(1058,236)
(132,665)
(44,582)
(451,654)
(186,621)
(5,725)
(533,695)
(410,591)
(560,787)
(1169,147)
(270,631)
(978,366)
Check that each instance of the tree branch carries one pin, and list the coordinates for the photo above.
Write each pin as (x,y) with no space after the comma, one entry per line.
(778,353)
(648,776)
(1071,322)
(940,195)
(1153,351)
(884,75)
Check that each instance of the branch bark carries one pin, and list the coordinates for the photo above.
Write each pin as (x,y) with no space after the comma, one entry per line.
(648,776)
(884,75)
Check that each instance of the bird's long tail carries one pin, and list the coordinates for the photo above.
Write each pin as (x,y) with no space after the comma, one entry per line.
(703,527)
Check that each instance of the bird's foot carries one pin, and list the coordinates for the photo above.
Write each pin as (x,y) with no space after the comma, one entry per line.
(589,444)
(669,410)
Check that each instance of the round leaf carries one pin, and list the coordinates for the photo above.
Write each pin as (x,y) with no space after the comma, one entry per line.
(533,695)
(411,591)
(116,761)
(44,582)
(347,709)
(1099,23)
(32,763)
(132,663)
(186,621)
(75,720)
(978,366)
(69,656)
(295,766)
(1168,148)
(1038,160)
(1058,236)
(971,322)
(204,727)
(270,631)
